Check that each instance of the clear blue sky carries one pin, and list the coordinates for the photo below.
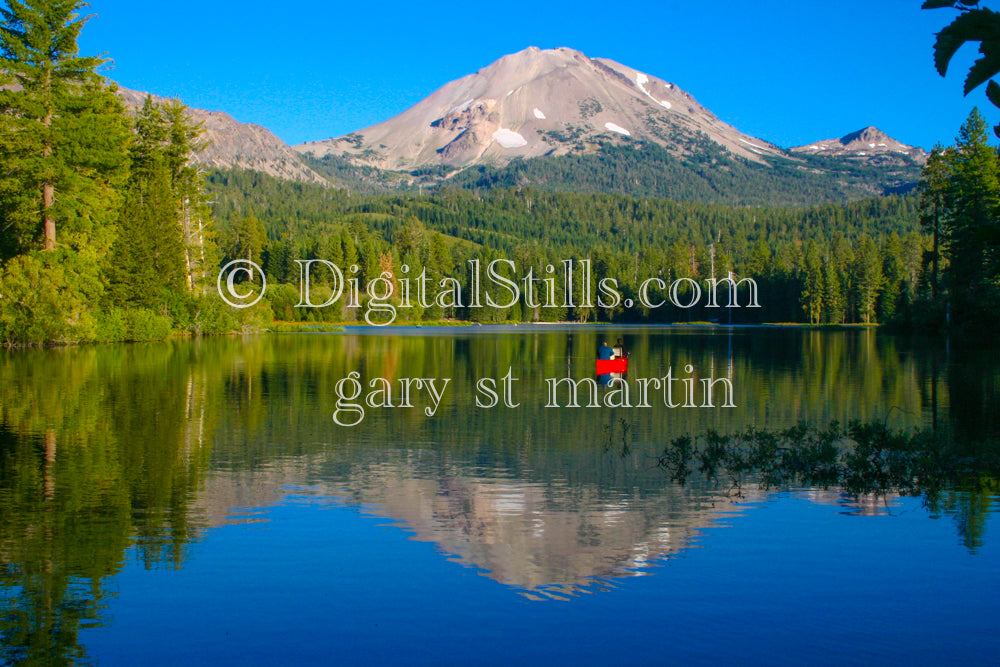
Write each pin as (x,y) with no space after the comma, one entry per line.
(788,72)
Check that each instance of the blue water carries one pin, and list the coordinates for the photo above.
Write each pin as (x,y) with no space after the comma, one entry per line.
(194,503)
(783,581)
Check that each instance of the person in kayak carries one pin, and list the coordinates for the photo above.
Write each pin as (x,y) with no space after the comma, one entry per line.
(604,352)
(619,350)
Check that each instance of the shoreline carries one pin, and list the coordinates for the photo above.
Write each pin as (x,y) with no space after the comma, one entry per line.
(345,327)
(281,328)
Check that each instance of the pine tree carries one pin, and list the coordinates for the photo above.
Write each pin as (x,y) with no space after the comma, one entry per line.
(759,264)
(842,281)
(932,191)
(246,239)
(147,262)
(64,131)
(971,229)
(897,289)
(63,157)
(833,293)
(187,183)
(812,293)
(870,277)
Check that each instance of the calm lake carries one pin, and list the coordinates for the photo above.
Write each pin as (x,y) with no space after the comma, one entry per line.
(196,502)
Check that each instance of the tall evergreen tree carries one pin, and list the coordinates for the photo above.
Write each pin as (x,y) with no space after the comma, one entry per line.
(64,131)
(870,277)
(63,144)
(932,191)
(194,215)
(833,293)
(971,229)
(246,239)
(147,262)
(812,292)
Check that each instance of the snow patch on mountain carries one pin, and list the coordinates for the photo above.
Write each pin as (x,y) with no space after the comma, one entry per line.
(509,138)
(755,148)
(561,86)
(641,80)
(462,106)
(869,142)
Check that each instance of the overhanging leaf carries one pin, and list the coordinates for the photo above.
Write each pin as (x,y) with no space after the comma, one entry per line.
(985,67)
(978,25)
(993,93)
(937,4)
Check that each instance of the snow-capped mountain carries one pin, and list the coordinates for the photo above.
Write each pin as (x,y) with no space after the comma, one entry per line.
(870,144)
(591,123)
(540,102)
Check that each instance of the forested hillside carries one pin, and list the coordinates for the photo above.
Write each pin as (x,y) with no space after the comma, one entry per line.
(109,233)
(856,263)
(104,231)
(707,175)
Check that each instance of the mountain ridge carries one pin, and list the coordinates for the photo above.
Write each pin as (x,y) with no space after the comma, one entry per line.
(560,120)
(539,102)
(236,145)
(869,142)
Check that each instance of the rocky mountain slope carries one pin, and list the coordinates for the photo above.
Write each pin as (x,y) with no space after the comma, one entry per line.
(239,145)
(870,145)
(559,120)
(540,103)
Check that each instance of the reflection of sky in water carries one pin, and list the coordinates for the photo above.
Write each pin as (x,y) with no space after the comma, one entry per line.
(540,538)
(785,581)
(529,535)
(483,536)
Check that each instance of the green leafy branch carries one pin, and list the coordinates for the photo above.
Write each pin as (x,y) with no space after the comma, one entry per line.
(974,24)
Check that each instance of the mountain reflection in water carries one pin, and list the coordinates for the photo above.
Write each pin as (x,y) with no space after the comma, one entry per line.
(537,536)
(108,452)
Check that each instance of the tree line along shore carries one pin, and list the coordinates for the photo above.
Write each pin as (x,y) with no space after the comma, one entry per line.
(111,233)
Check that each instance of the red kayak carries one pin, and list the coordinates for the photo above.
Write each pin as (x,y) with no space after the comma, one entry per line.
(605,366)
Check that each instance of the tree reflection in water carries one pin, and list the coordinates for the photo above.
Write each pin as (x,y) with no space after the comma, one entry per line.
(859,459)
(105,452)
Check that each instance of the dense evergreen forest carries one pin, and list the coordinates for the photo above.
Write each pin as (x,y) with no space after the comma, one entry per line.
(109,233)
(104,229)
(860,262)
(708,174)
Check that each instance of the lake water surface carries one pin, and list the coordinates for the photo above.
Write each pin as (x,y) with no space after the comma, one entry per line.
(195,501)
